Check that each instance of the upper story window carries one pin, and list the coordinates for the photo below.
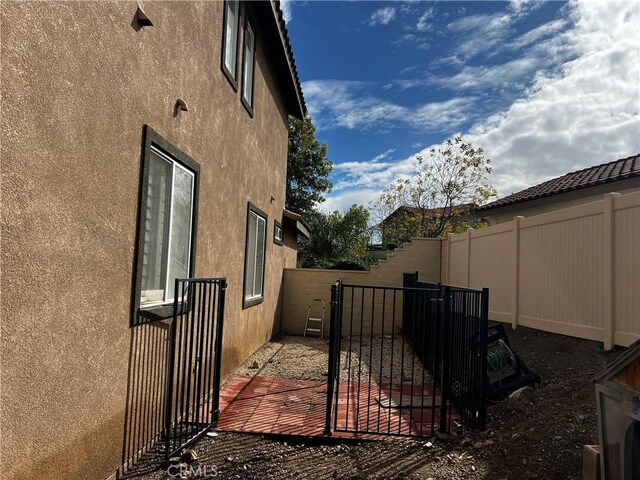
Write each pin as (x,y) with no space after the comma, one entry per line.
(248,64)
(254,256)
(277,233)
(167,221)
(230,40)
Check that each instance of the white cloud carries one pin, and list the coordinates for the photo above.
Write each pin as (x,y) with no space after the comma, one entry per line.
(403,84)
(344,200)
(286,5)
(423,22)
(412,39)
(537,34)
(487,33)
(521,8)
(584,113)
(543,47)
(363,181)
(382,16)
(480,33)
(342,103)
(494,75)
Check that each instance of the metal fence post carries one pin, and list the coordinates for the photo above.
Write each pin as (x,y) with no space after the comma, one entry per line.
(484,325)
(170,373)
(445,320)
(331,373)
(215,411)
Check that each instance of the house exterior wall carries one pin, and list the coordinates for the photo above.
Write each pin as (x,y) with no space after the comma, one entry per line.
(573,271)
(558,202)
(78,85)
(303,285)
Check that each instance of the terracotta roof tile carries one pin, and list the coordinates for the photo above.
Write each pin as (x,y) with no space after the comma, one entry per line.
(289,51)
(615,171)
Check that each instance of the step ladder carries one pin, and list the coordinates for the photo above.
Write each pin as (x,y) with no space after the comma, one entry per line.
(315,320)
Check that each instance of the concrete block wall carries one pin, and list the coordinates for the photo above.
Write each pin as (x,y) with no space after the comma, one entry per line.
(300,286)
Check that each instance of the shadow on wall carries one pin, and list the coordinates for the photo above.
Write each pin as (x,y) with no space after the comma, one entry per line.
(146,392)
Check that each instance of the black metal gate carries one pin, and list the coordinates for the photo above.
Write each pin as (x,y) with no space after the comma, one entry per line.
(193,373)
(406,360)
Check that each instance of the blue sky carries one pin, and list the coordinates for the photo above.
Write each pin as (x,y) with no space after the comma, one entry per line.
(544,87)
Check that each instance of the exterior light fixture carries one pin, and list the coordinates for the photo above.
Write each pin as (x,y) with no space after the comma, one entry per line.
(181,105)
(141,18)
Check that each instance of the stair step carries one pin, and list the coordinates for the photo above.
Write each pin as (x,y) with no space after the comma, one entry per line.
(316,330)
(315,319)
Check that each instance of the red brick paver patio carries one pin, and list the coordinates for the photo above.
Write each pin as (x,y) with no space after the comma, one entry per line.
(285,406)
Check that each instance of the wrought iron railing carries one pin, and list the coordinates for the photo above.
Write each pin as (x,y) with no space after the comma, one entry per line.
(460,323)
(406,360)
(193,375)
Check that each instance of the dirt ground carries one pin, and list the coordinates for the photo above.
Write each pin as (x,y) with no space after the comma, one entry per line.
(537,436)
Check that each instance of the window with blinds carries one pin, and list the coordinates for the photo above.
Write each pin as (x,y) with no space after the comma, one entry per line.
(248,67)
(167,228)
(230,40)
(255,256)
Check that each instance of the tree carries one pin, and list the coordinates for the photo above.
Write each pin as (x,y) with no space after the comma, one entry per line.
(439,198)
(338,240)
(308,167)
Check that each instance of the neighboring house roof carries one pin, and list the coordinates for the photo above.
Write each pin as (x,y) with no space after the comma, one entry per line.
(296,221)
(615,171)
(463,209)
(288,64)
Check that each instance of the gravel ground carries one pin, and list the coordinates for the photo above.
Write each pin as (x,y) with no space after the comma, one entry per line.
(307,358)
(536,436)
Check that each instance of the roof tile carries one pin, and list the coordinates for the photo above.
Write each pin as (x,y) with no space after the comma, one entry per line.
(615,171)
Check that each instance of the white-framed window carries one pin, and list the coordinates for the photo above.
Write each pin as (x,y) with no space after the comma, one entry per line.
(255,256)
(248,66)
(167,221)
(277,233)
(230,40)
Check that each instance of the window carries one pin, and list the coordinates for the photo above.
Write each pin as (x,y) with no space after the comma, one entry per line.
(248,64)
(167,221)
(230,40)
(277,232)
(254,256)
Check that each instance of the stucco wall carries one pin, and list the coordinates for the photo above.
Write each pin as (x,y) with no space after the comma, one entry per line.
(303,285)
(78,85)
(560,201)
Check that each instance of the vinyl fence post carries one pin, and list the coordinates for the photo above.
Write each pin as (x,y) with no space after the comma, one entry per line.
(515,280)
(445,278)
(469,258)
(609,266)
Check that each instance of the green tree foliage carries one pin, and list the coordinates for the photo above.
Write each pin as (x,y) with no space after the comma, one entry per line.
(338,240)
(308,167)
(439,198)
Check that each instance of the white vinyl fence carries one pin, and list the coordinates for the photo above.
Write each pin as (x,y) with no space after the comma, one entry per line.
(574,271)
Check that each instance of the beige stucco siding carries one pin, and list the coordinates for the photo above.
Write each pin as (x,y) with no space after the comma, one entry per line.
(78,85)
